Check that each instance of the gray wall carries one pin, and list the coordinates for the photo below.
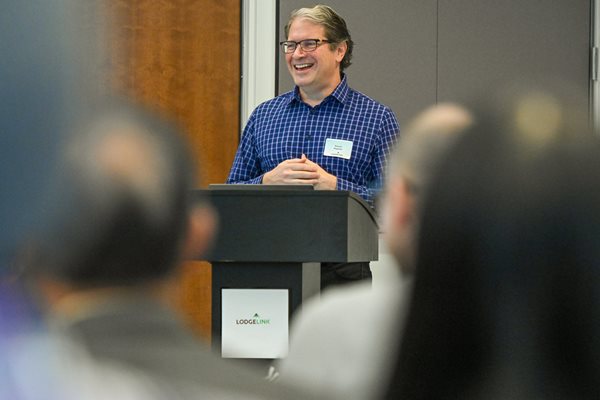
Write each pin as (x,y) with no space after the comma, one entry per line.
(412,53)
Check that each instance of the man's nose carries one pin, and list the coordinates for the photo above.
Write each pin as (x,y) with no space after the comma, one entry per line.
(299,50)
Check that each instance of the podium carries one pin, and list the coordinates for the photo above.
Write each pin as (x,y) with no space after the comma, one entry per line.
(275,237)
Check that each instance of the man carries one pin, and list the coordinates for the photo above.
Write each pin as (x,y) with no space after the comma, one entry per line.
(340,345)
(323,133)
(104,268)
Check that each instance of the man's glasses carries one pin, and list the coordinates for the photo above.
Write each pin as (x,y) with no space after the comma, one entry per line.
(289,46)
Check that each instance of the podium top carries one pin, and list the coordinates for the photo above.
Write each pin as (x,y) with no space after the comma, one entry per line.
(284,190)
(226,186)
(290,225)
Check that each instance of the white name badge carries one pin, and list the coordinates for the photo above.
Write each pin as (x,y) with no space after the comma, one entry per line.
(338,148)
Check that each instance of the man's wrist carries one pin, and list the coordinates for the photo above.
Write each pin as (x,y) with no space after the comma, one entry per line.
(332,185)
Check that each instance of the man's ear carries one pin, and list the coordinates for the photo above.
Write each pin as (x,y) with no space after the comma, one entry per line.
(340,51)
(402,202)
(50,292)
(201,229)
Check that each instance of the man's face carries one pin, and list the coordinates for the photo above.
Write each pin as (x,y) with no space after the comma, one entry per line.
(315,71)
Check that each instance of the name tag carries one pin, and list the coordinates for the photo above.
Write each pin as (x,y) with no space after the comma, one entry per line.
(338,148)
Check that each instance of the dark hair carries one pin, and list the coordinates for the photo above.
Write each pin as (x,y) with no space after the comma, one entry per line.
(124,202)
(505,302)
(334,25)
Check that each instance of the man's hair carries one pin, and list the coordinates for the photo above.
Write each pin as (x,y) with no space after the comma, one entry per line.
(124,202)
(334,25)
(425,142)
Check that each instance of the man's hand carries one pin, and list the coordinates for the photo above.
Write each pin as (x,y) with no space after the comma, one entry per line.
(300,171)
(296,171)
(325,180)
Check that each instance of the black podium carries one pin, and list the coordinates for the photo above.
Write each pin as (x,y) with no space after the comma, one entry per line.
(275,237)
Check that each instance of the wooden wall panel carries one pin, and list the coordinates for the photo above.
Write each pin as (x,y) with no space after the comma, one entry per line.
(193,296)
(182,57)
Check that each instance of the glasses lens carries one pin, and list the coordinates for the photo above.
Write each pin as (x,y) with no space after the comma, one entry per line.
(288,47)
(308,44)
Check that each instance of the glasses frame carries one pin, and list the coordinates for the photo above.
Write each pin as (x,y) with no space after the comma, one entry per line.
(318,42)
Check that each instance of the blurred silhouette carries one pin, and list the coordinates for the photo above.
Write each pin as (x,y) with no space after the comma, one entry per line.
(42,91)
(505,298)
(104,266)
(341,343)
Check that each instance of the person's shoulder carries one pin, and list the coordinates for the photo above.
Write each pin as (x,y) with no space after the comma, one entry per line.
(367,101)
(275,102)
(360,298)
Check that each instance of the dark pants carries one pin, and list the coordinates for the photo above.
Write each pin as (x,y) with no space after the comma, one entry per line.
(344,273)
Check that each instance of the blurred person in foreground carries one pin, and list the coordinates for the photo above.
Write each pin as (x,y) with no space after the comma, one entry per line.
(506,289)
(40,94)
(104,267)
(340,344)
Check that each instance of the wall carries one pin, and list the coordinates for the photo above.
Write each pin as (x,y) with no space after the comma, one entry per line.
(412,53)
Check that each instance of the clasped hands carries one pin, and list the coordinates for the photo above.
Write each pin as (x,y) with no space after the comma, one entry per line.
(300,171)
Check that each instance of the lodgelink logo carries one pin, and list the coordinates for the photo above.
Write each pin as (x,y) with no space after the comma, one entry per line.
(255,320)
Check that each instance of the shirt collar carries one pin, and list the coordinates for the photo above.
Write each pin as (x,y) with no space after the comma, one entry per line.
(341,92)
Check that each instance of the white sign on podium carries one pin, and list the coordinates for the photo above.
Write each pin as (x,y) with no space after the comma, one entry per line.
(254,323)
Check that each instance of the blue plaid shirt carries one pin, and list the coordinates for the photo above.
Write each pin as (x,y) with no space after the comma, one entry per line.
(285,127)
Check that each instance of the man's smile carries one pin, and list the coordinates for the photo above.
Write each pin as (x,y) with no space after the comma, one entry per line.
(302,66)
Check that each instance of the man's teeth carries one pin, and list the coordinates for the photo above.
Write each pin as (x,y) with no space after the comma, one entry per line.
(302,66)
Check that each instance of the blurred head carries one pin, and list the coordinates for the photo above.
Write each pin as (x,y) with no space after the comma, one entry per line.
(505,299)
(411,166)
(319,68)
(126,207)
